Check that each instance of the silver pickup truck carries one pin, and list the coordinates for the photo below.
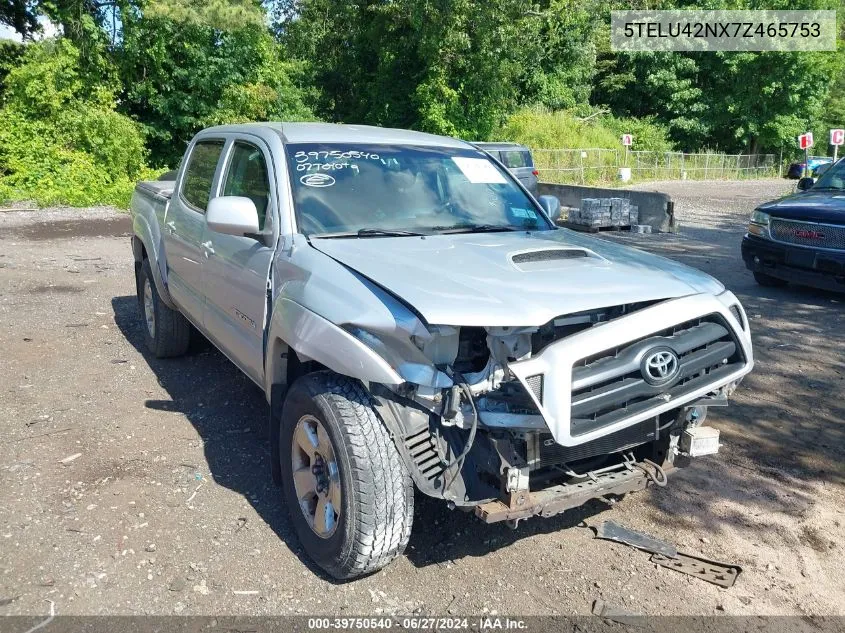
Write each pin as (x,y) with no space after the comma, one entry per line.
(416,319)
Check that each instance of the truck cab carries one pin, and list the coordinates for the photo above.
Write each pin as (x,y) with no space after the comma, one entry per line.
(417,321)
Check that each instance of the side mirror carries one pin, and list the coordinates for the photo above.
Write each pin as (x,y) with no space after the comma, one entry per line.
(232,215)
(805,183)
(551,205)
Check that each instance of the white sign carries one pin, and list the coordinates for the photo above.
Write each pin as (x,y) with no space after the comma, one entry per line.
(479,170)
(627,140)
(805,141)
(837,137)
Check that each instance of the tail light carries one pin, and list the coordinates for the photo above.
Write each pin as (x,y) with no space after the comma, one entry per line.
(535,172)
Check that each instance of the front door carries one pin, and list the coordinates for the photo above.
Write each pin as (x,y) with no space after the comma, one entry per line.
(237,267)
(184,226)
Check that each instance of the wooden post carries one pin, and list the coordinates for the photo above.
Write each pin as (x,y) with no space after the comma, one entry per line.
(581,161)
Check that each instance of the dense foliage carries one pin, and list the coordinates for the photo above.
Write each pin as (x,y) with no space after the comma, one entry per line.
(61,142)
(540,128)
(127,83)
(179,77)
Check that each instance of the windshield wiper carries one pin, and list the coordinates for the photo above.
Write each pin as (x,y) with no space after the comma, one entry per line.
(474,228)
(388,232)
(370,232)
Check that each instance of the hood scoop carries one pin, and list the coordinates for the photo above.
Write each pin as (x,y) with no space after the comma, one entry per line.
(548,255)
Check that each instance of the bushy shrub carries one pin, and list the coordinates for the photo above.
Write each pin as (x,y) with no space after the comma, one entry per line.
(61,143)
(539,128)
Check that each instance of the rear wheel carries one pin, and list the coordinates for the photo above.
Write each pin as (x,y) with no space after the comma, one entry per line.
(767,280)
(348,492)
(166,331)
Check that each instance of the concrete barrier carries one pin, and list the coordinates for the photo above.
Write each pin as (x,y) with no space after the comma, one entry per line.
(656,209)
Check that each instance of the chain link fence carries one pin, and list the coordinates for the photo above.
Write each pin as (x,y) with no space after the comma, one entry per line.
(599,165)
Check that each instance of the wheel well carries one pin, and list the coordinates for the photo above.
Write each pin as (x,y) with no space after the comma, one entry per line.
(286,370)
(139,250)
(296,368)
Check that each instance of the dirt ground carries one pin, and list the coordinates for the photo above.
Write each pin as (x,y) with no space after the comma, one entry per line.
(130,485)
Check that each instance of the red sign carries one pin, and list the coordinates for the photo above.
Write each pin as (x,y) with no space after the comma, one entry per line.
(805,141)
(627,140)
(837,137)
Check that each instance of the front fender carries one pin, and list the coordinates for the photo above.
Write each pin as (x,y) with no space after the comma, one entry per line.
(315,338)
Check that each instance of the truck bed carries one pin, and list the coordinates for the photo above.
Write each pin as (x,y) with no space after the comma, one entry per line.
(157,188)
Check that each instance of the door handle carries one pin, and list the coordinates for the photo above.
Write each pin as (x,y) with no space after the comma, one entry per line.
(171,227)
(208,248)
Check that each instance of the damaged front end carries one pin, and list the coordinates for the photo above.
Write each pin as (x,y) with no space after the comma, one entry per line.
(525,421)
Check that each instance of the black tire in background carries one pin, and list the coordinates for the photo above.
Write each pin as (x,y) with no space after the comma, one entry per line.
(377,497)
(768,281)
(170,332)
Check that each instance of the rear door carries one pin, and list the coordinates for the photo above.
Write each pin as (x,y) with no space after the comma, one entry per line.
(237,267)
(184,227)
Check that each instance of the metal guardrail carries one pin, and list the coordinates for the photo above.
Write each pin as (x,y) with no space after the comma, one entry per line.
(600,165)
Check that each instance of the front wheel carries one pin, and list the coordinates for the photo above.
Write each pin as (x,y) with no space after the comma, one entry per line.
(348,492)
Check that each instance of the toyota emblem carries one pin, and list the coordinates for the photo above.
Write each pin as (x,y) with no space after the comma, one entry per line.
(660,366)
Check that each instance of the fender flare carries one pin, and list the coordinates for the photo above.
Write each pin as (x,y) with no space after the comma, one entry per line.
(312,337)
(315,338)
(142,241)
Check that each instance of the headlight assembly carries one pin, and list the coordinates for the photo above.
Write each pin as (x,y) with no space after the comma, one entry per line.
(759,224)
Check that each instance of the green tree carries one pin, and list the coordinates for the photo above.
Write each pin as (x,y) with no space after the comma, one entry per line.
(732,101)
(179,77)
(558,42)
(21,15)
(10,56)
(59,141)
(444,66)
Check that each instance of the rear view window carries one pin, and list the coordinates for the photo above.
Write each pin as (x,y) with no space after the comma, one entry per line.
(199,175)
(516,159)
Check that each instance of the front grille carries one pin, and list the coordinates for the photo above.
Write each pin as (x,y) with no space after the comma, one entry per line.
(612,386)
(552,453)
(568,324)
(808,233)
(535,384)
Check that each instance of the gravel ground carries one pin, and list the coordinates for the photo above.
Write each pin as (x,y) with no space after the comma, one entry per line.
(130,485)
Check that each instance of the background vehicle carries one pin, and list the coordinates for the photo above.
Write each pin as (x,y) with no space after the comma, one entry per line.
(416,320)
(801,238)
(796,170)
(517,158)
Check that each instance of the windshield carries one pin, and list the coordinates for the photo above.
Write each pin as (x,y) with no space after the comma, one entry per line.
(833,178)
(367,190)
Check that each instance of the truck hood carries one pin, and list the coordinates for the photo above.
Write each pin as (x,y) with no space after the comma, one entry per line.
(809,206)
(515,278)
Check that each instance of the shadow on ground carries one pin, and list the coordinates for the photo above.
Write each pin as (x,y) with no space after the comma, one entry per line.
(230,415)
(779,447)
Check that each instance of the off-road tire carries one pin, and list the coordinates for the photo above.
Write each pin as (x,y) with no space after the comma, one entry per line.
(172,330)
(768,281)
(377,496)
